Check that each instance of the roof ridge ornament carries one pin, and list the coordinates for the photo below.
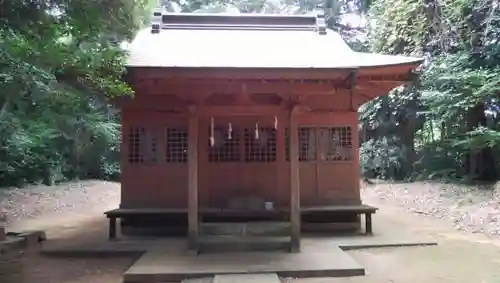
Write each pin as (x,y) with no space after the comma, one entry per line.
(320,19)
(162,19)
(156,20)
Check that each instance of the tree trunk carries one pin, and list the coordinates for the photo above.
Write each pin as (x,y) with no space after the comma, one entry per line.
(408,142)
(479,164)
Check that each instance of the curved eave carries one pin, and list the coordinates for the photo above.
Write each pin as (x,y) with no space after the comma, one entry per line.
(238,73)
(376,81)
(354,65)
(397,72)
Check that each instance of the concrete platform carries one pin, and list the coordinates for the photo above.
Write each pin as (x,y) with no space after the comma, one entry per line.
(326,260)
(137,246)
(166,259)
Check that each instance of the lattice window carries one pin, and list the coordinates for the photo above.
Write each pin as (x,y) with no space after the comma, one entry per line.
(226,147)
(307,144)
(176,145)
(135,143)
(261,149)
(335,143)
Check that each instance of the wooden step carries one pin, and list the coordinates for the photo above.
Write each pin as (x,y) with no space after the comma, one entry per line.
(247,278)
(260,228)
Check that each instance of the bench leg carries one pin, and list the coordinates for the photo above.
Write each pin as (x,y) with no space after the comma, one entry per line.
(368,224)
(112,228)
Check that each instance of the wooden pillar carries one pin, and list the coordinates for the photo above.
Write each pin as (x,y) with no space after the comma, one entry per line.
(355,156)
(193,180)
(294,182)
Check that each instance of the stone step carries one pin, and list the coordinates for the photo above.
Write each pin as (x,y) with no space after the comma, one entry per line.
(237,278)
(247,278)
(225,243)
(199,280)
(261,228)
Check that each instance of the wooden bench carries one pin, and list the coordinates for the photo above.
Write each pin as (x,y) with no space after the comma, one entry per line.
(364,209)
(114,214)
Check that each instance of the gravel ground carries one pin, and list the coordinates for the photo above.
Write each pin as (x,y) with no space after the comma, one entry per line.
(73,212)
(474,209)
(22,207)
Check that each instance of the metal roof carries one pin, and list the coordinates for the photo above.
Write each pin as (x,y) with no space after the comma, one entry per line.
(229,41)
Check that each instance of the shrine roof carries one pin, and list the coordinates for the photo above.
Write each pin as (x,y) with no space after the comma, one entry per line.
(248,41)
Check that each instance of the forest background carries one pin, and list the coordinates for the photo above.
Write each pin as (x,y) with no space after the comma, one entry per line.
(61,61)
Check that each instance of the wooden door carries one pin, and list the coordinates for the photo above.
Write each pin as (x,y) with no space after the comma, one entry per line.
(239,163)
(308,165)
(335,167)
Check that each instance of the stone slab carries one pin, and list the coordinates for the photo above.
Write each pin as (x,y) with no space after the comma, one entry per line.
(247,278)
(137,246)
(133,247)
(22,241)
(160,266)
(378,241)
(199,280)
(11,244)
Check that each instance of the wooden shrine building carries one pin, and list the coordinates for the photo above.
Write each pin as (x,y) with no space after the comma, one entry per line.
(241,118)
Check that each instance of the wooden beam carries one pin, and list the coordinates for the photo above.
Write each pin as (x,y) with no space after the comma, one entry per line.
(294,181)
(193,222)
(238,73)
(248,110)
(198,87)
(234,110)
(378,85)
(241,110)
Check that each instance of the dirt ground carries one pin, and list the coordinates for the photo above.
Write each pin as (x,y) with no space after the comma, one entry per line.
(463,220)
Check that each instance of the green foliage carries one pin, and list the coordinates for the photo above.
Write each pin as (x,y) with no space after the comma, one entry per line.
(455,101)
(398,26)
(380,158)
(60,63)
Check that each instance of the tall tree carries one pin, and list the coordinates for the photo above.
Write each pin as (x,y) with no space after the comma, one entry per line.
(459,83)
(61,59)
